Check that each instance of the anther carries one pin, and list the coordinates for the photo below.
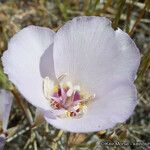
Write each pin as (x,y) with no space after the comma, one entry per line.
(66,97)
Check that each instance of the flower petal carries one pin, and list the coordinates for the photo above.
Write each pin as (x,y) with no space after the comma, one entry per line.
(116,106)
(130,55)
(23,62)
(91,53)
(2,142)
(6,99)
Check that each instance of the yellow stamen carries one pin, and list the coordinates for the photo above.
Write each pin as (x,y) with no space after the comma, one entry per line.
(55,89)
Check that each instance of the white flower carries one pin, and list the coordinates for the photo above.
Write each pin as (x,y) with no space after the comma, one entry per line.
(6,99)
(81,77)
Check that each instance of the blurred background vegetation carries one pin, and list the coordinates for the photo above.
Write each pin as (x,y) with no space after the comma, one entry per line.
(133,17)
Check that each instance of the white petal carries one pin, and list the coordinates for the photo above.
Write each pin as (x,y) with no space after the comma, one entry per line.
(2,142)
(91,53)
(48,86)
(116,106)
(25,62)
(6,99)
(130,55)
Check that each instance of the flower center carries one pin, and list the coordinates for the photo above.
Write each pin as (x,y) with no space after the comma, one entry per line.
(67,99)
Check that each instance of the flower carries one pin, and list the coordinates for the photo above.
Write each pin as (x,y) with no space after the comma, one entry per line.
(81,77)
(6,99)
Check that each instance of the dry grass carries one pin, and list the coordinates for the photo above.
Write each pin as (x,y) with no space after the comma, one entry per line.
(131,16)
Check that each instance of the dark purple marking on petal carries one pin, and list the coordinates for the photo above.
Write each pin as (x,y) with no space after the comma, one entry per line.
(76,96)
(59,92)
(55,95)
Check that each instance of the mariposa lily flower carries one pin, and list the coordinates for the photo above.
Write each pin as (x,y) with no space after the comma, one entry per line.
(81,77)
(6,99)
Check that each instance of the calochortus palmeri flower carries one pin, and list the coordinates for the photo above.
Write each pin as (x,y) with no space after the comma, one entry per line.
(81,77)
(6,99)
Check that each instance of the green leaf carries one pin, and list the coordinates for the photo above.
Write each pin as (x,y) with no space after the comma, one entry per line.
(4,82)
